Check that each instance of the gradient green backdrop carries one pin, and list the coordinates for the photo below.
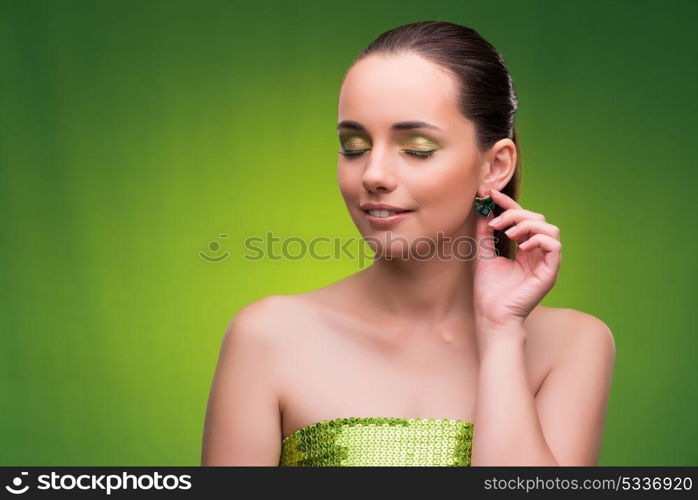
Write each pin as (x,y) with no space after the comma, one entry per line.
(134,133)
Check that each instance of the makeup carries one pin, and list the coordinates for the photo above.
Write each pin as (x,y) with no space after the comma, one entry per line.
(416,145)
(420,143)
(420,146)
(354,145)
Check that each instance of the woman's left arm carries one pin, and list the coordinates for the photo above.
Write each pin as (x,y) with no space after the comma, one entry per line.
(571,403)
(563,423)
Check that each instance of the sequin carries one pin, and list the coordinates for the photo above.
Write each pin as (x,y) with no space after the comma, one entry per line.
(379,441)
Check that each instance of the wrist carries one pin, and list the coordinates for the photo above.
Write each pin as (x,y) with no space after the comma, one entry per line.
(500,336)
(484,325)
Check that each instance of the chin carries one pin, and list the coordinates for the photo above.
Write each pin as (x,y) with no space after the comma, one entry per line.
(396,244)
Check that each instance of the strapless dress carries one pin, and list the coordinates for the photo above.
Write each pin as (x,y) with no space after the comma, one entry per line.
(379,441)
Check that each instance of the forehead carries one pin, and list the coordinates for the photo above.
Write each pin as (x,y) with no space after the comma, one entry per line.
(383,89)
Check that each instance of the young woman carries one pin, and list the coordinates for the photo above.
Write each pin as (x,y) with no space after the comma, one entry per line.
(439,352)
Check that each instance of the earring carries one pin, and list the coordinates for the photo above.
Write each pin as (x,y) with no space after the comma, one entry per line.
(484,205)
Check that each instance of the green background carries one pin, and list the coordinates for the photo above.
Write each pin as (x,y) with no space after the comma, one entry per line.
(135,133)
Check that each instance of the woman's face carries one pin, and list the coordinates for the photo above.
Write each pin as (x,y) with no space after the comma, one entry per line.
(431,168)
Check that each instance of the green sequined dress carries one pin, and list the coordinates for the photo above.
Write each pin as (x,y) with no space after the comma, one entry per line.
(379,441)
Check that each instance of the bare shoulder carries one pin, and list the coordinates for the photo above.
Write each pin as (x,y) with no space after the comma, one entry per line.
(265,319)
(559,331)
(543,319)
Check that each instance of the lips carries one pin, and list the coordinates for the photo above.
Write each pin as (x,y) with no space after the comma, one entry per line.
(382,212)
(370,205)
(383,217)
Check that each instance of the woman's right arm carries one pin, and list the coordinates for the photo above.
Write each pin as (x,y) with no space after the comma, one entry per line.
(243,423)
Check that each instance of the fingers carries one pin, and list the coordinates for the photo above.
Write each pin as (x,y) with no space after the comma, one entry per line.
(528,227)
(524,223)
(514,215)
(542,241)
(503,200)
(550,246)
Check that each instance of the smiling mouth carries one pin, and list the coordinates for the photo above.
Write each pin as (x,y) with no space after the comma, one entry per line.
(384,214)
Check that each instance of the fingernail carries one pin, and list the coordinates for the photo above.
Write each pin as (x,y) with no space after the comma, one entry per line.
(493,221)
(510,230)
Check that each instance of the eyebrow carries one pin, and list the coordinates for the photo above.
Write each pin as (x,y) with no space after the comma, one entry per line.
(396,126)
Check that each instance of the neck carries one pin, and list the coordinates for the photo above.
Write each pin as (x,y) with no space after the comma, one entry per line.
(428,296)
(418,290)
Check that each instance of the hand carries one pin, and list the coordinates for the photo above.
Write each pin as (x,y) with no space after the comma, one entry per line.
(506,290)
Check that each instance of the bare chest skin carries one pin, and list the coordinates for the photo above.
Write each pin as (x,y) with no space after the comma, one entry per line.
(336,364)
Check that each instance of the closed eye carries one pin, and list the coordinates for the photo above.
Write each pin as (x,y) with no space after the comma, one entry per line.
(421,154)
(416,154)
(350,154)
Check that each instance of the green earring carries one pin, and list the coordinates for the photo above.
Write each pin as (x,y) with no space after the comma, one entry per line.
(484,205)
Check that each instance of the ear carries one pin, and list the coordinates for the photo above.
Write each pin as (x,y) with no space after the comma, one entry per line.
(499,165)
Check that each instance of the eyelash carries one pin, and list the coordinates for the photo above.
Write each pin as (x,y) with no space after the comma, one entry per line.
(423,155)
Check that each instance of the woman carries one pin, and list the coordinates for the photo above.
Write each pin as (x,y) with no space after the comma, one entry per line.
(446,359)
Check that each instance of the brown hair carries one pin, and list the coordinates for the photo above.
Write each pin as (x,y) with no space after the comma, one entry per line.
(487,94)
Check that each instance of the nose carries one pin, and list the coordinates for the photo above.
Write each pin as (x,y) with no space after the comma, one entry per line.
(379,175)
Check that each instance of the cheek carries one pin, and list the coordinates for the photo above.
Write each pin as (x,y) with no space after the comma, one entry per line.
(348,183)
(445,197)
(350,187)
(446,191)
